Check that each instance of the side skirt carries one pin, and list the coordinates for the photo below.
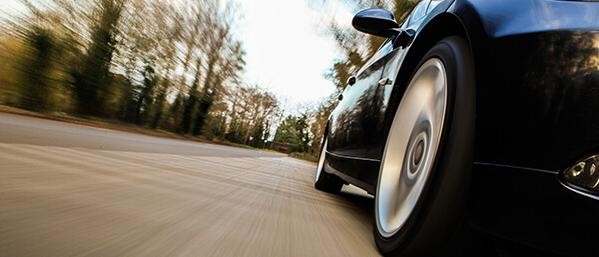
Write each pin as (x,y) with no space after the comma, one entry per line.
(362,173)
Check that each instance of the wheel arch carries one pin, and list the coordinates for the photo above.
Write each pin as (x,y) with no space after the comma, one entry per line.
(441,26)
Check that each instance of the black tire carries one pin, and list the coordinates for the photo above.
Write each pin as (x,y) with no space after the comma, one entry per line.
(324,181)
(437,214)
(328,183)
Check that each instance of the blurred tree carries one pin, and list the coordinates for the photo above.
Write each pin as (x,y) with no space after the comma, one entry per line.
(302,127)
(173,65)
(252,112)
(47,34)
(146,96)
(36,63)
(219,71)
(222,57)
(11,51)
(92,76)
(190,107)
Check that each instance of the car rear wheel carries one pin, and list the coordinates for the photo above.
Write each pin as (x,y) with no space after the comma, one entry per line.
(324,181)
(426,164)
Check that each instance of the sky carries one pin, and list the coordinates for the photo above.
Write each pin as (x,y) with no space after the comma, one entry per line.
(10,6)
(288,50)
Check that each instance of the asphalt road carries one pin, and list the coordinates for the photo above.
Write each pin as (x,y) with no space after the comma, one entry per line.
(70,190)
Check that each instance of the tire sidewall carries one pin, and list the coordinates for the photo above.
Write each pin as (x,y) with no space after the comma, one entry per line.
(323,180)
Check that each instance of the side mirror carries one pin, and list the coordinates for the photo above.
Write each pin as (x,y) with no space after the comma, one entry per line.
(376,21)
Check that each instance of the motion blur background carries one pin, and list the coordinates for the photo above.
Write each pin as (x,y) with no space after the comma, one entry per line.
(265,73)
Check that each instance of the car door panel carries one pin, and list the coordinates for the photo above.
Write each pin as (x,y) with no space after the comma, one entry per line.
(347,126)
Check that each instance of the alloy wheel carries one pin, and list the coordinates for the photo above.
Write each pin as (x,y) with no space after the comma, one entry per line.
(411,147)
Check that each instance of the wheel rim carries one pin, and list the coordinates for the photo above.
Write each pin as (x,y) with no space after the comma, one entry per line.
(321,160)
(411,147)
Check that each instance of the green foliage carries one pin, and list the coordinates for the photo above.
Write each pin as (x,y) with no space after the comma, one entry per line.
(294,131)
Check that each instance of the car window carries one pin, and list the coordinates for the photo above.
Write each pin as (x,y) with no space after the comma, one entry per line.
(419,12)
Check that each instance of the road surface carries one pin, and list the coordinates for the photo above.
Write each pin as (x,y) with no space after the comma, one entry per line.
(70,190)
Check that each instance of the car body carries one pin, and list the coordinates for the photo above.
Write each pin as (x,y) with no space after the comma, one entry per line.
(537,114)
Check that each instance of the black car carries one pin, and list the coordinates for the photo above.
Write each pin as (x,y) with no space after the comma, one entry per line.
(474,113)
